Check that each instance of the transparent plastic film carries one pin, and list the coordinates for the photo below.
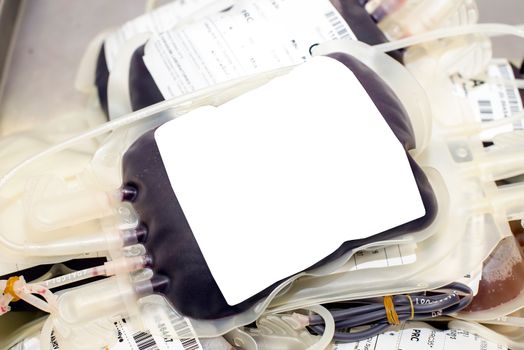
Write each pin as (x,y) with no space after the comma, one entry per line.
(482,229)
(394,74)
(466,55)
(82,209)
(88,204)
(462,214)
(490,29)
(505,333)
(500,289)
(419,16)
(463,220)
(462,235)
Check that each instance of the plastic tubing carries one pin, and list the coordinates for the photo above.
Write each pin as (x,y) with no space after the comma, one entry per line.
(50,306)
(518,83)
(110,268)
(4,299)
(507,321)
(73,277)
(476,127)
(490,29)
(329,330)
(93,244)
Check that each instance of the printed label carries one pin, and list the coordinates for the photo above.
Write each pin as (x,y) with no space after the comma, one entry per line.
(167,332)
(157,21)
(278,178)
(249,38)
(396,255)
(492,101)
(419,336)
(384,257)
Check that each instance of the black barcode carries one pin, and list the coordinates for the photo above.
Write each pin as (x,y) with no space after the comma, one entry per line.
(514,104)
(180,325)
(511,93)
(486,110)
(190,344)
(183,331)
(337,24)
(145,341)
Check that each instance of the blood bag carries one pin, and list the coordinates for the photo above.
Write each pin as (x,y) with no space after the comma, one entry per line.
(177,256)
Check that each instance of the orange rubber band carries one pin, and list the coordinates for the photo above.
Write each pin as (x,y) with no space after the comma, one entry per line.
(9,288)
(412,307)
(391,314)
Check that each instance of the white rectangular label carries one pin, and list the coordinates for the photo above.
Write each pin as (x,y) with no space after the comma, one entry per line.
(418,336)
(277,179)
(251,37)
(160,336)
(396,255)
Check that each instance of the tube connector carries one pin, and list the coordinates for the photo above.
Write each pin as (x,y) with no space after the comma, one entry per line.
(126,265)
(134,236)
(128,193)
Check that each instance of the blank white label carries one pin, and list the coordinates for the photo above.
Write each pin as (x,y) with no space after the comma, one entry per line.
(277,179)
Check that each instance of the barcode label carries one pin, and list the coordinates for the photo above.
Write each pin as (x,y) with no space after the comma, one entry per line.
(189,344)
(493,101)
(338,26)
(184,331)
(486,110)
(158,334)
(511,92)
(145,341)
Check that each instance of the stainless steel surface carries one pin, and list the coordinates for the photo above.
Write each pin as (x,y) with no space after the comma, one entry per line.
(49,44)
(8,14)
(504,11)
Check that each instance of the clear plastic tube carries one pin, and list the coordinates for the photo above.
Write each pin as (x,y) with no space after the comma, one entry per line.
(38,303)
(518,83)
(329,330)
(468,129)
(74,277)
(25,292)
(379,9)
(4,299)
(110,268)
(490,29)
(510,321)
